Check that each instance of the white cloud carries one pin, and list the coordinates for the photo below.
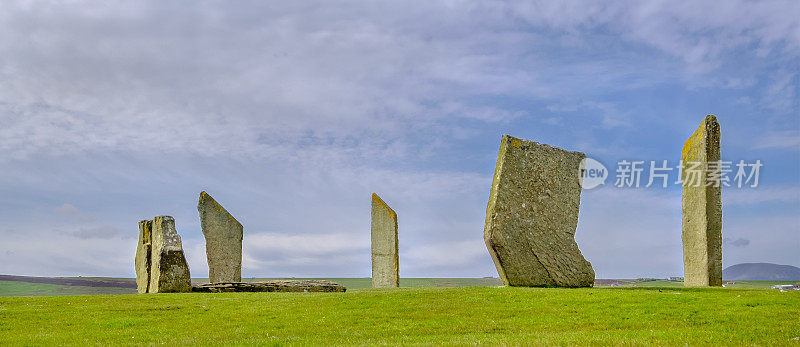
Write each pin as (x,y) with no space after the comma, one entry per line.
(59,254)
(631,231)
(747,196)
(446,254)
(101,231)
(118,77)
(67,210)
(317,244)
(784,139)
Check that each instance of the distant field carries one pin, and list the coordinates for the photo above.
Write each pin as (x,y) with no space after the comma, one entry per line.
(366,282)
(732,284)
(499,315)
(55,286)
(15,288)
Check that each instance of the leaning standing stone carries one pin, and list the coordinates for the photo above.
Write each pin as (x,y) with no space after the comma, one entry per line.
(532,216)
(169,271)
(385,262)
(223,235)
(702,206)
(143,256)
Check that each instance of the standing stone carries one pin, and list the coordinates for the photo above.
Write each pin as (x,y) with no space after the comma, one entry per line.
(169,271)
(532,216)
(385,262)
(702,207)
(223,241)
(143,256)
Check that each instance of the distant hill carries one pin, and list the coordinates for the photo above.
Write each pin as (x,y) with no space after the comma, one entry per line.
(761,272)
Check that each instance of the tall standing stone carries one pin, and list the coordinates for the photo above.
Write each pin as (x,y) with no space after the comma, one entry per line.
(532,216)
(143,256)
(169,271)
(223,235)
(385,261)
(702,206)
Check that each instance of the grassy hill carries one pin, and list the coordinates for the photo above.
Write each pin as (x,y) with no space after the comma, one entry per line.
(411,315)
(761,272)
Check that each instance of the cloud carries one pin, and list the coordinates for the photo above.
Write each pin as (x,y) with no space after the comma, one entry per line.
(60,254)
(631,231)
(782,92)
(611,116)
(773,238)
(271,244)
(102,232)
(446,254)
(250,88)
(72,213)
(291,114)
(785,139)
(747,196)
(699,32)
(67,210)
(118,77)
(740,242)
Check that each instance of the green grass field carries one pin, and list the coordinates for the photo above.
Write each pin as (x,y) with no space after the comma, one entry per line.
(366,282)
(14,288)
(467,315)
(736,284)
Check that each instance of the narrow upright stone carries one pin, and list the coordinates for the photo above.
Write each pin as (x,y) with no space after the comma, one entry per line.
(532,216)
(702,206)
(143,251)
(223,235)
(169,271)
(385,261)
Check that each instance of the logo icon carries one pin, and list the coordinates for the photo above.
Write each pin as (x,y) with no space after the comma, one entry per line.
(592,173)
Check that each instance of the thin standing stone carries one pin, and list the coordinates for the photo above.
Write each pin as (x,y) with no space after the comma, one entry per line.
(143,256)
(223,235)
(385,261)
(702,206)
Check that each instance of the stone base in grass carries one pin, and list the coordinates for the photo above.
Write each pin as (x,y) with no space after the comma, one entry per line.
(270,286)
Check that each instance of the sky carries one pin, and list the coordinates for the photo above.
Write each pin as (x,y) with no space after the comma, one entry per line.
(291,114)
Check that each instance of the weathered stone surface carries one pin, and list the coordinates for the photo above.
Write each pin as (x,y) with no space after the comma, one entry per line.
(532,216)
(223,235)
(169,271)
(385,262)
(702,207)
(271,286)
(143,251)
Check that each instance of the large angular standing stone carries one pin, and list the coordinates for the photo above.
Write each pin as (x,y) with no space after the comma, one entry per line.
(169,271)
(702,207)
(223,235)
(143,256)
(385,261)
(532,216)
